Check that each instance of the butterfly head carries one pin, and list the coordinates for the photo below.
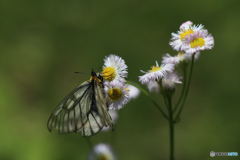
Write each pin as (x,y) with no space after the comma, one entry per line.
(93,73)
(96,76)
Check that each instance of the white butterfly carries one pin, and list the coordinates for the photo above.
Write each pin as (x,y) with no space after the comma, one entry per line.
(83,110)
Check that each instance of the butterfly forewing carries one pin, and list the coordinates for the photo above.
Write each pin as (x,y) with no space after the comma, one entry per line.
(70,115)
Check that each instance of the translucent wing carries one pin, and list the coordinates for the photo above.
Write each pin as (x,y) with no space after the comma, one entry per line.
(99,115)
(84,110)
(72,113)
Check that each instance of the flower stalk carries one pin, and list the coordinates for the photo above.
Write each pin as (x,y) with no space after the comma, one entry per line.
(163,93)
(187,89)
(171,127)
(88,142)
(183,88)
(149,97)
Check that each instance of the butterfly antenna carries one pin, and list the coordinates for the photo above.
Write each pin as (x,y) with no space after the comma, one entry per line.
(80,72)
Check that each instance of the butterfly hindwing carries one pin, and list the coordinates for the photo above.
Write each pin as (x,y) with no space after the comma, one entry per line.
(98,116)
(102,106)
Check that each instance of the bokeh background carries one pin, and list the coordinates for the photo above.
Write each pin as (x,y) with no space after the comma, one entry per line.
(42,44)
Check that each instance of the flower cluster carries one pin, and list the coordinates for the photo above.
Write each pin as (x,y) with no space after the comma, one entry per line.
(116,90)
(188,41)
(191,38)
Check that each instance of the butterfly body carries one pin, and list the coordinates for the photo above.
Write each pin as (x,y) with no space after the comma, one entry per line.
(83,110)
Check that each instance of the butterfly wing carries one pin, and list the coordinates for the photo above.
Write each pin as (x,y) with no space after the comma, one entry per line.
(98,116)
(71,114)
(84,109)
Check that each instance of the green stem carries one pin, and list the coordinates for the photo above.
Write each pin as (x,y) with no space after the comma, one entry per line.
(88,142)
(149,97)
(114,136)
(171,127)
(163,93)
(183,89)
(188,84)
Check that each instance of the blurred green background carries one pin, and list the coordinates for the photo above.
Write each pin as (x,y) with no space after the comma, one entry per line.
(42,44)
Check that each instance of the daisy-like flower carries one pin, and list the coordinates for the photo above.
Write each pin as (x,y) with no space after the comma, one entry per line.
(153,87)
(198,41)
(156,73)
(114,116)
(117,94)
(114,69)
(180,57)
(133,91)
(174,59)
(170,80)
(102,152)
(185,29)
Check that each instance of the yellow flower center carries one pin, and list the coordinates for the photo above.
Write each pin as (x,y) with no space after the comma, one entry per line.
(186,32)
(197,42)
(109,73)
(114,94)
(102,157)
(180,54)
(155,68)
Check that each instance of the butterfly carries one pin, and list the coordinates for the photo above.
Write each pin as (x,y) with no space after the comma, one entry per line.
(83,110)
